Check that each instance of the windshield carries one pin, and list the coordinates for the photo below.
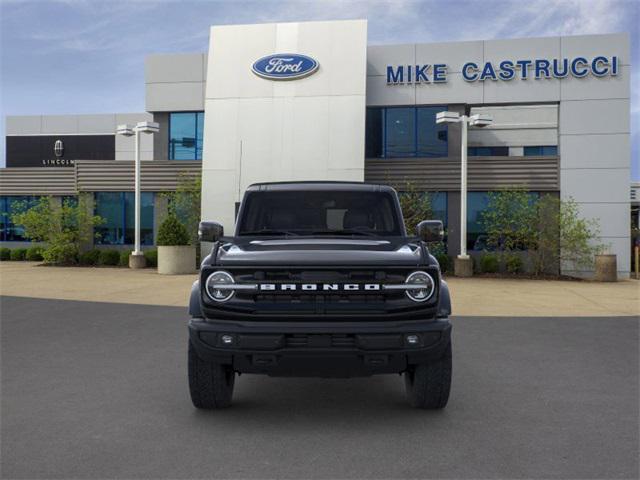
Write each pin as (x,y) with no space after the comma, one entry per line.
(350,213)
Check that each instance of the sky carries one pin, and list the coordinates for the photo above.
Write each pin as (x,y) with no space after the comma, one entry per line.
(87,56)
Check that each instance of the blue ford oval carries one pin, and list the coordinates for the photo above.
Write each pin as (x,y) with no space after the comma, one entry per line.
(285,66)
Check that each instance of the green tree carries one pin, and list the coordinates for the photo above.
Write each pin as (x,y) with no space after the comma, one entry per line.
(551,229)
(416,206)
(63,227)
(510,219)
(571,239)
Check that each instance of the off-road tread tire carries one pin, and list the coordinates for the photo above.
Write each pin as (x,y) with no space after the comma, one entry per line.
(427,385)
(210,384)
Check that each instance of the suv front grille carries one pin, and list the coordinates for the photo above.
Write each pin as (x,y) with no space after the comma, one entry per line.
(320,341)
(282,302)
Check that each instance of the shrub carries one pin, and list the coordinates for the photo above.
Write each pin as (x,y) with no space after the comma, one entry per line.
(513,263)
(172,232)
(443,260)
(489,263)
(152,258)
(63,227)
(18,254)
(34,254)
(124,258)
(5,254)
(61,254)
(109,257)
(90,257)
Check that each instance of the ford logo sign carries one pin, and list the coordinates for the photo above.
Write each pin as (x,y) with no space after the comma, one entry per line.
(285,66)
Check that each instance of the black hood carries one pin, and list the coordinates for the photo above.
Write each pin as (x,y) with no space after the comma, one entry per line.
(383,251)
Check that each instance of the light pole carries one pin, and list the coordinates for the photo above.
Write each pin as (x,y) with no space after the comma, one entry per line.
(136,259)
(463,264)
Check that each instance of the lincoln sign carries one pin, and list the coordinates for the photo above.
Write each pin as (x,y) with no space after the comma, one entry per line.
(506,70)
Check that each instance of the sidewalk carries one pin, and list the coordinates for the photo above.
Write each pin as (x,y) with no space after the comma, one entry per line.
(475,296)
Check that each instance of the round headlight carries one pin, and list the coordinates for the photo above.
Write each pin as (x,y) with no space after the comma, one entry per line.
(219,278)
(425,286)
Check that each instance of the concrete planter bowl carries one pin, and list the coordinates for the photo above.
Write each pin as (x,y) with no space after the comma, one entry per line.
(176,260)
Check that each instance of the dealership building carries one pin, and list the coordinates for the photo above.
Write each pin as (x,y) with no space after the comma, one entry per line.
(313,101)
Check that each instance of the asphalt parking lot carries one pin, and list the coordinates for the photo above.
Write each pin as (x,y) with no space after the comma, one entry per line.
(99,390)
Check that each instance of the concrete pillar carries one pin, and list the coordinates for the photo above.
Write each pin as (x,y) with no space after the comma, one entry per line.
(463,267)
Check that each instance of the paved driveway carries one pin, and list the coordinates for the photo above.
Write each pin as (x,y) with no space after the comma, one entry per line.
(98,390)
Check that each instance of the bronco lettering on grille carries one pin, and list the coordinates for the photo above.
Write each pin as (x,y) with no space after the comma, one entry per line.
(326,287)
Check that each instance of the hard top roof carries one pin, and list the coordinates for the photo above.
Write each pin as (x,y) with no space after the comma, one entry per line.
(318,186)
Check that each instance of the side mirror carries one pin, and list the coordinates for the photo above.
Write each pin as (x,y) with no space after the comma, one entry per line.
(430,231)
(210,231)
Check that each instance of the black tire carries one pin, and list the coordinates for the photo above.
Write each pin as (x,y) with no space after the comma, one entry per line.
(210,384)
(428,384)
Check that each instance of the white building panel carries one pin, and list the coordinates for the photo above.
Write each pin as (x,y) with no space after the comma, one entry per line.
(175,97)
(259,130)
(596,88)
(521,49)
(517,126)
(380,56)
(454,90)
(453,54)
(595,151)
(594,117)
(176,68)
(513,138)
(59,124)
(522,91)
(97,124)
(611,218)
(596,185)
(23,125)
(381,94)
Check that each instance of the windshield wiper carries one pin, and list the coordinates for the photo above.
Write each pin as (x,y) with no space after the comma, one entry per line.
(267,231)
(344,232)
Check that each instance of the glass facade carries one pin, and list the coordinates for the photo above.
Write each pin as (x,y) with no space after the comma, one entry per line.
(405,132)
(185,135)
(439,207)
(10,232)
(541,151)
(117,209)
(477,203)
(488,151)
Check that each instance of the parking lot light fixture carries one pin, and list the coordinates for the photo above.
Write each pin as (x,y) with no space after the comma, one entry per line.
(136,259)
(477,120)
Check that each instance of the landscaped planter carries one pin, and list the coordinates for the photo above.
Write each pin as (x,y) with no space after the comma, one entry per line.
(175,260)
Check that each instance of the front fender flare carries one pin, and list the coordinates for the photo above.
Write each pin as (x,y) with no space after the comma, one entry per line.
(195,310)
(444,302)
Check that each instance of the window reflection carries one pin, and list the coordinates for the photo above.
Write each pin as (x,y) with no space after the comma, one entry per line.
(9,205)
(405,132)
(185,135)
(117,209)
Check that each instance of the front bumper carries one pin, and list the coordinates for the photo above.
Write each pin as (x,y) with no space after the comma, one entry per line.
(319,349)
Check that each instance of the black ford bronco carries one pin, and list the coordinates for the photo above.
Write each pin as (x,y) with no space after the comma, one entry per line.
(320,279)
